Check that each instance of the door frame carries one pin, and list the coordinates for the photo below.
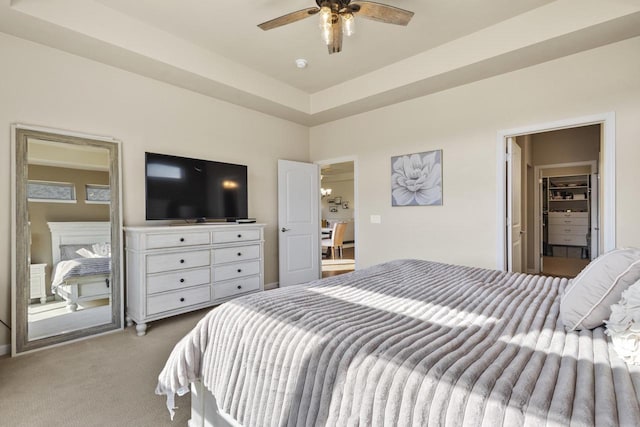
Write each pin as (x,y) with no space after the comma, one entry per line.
(356,224)
(513,166)
(607,177)
(537,219)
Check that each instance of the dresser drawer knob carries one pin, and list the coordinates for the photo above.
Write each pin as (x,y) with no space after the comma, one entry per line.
(182,239)
(239,270)
(239,286)
(181,280)
(182,299)
(239,253)
(239,236)
(181,261)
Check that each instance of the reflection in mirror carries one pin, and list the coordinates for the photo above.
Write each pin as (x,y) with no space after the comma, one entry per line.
(67,238)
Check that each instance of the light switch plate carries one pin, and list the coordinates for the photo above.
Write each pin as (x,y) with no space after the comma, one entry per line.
(376,219)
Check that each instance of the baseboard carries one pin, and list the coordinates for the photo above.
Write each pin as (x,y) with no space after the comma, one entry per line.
(5,349)
(270,286)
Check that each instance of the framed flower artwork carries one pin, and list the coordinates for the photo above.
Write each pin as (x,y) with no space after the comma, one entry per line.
(416,179)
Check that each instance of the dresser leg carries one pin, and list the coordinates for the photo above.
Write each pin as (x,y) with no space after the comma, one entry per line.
(129,321)
(43,300)
(141,329)
(71,307)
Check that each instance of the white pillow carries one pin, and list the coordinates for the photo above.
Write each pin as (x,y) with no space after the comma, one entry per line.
(588,298)
(624,325)
(102,249)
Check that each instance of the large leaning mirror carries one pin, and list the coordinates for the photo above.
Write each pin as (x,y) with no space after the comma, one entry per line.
(67,282)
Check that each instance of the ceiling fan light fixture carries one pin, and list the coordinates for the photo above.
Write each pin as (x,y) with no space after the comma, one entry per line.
(348,23)
(337,18)
(326,19)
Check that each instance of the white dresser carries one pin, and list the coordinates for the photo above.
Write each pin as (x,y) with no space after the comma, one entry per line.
(177,269)
(568,228)
(38,287)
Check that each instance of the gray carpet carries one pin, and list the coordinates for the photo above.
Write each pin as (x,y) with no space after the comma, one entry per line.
(103,381)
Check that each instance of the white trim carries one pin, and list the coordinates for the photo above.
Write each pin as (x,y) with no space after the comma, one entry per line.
(30,200)
(537,208)
(607,173)
(355,205)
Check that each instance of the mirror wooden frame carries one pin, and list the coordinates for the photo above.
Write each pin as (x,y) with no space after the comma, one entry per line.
(21,134)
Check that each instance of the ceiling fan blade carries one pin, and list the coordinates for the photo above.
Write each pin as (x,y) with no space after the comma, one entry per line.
(336,45)
(289,18)
(381,12)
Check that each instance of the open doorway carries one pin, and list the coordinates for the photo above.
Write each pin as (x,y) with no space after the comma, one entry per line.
(567,168)
(557,194)
(337,213)
(564,219)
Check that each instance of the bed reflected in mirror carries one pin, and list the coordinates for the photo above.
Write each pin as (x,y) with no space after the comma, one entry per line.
(67,216)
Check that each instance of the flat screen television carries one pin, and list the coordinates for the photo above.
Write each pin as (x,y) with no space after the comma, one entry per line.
(194,189)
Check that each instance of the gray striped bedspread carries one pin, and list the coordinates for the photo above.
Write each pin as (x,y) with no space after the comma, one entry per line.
(79,267)
(406,343)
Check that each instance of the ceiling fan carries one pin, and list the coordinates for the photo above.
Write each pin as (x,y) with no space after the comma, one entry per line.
(337,18)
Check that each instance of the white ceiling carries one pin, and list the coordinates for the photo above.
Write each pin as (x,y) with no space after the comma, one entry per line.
(229,28)
(216,48)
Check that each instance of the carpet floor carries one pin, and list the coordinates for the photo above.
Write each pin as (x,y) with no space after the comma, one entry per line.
(107,380)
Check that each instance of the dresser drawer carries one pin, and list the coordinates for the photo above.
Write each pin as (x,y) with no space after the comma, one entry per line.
(236,287)
(178,280)
(179,260)
(239,253)
(578,230)
(178,299)
(563,220)
(236,235)
(170,240)
(568,239)
(236,270)
(568,215)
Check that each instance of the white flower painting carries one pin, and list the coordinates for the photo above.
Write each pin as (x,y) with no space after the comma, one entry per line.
(416,179)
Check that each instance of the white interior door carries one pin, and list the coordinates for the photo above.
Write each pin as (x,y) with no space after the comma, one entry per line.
(298,222)
(514,206)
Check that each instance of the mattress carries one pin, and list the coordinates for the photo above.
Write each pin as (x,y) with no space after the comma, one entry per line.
(406,343)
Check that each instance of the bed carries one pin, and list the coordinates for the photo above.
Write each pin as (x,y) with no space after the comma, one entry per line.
(81,255)
(406,343)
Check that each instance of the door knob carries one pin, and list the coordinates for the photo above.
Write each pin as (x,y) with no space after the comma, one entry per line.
(284,229)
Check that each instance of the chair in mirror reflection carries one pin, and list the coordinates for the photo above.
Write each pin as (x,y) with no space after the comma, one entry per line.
(334,242)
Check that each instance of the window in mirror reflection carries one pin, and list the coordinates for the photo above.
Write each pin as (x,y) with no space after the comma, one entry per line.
(55,192)
(97,193)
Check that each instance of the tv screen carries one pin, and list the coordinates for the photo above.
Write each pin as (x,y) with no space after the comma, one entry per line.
(184,188)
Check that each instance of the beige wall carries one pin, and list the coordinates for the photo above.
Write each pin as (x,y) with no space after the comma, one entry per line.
(46,87)
(42,212)
(50,88)
(464,122)
(566,146)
